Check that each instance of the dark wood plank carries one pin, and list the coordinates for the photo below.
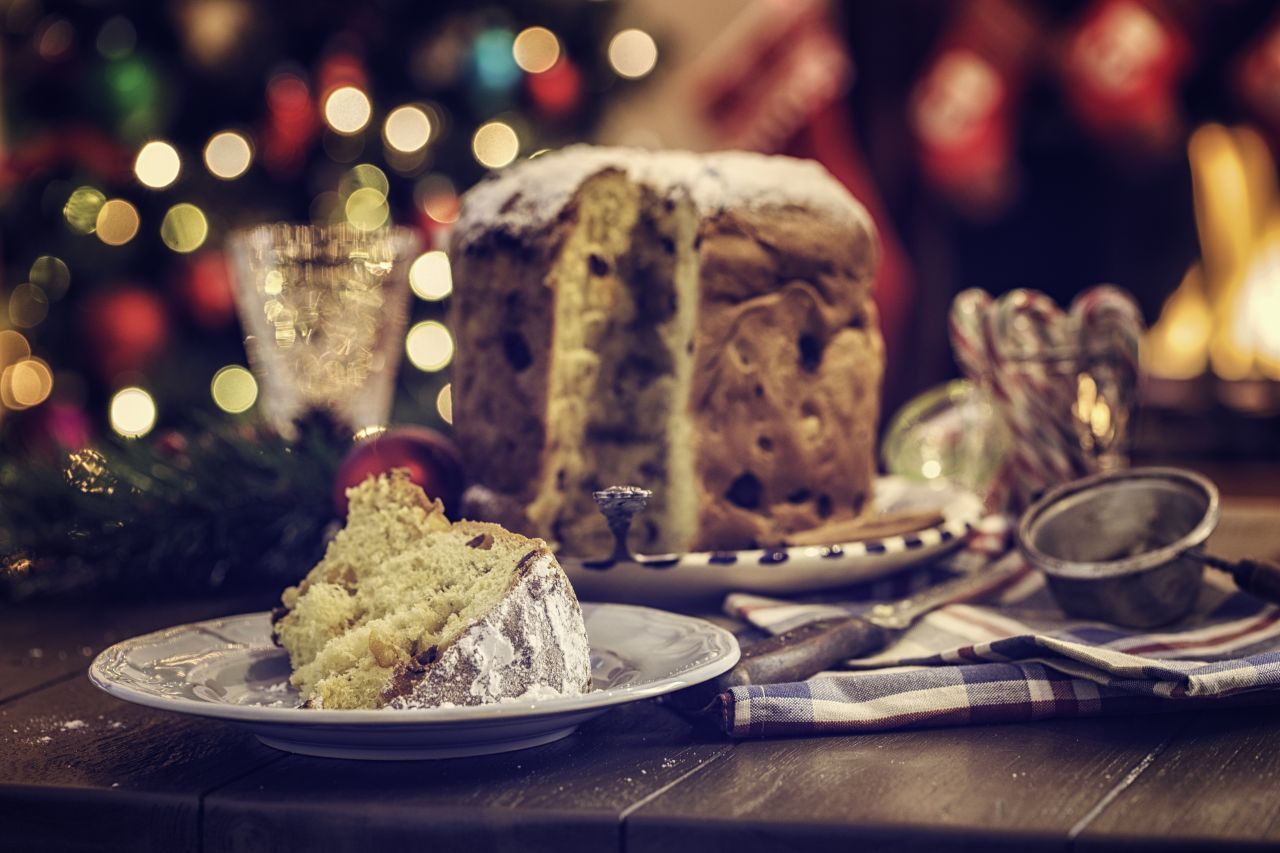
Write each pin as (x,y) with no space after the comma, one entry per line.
(43,642)
(1013,786)
(566,795)
(1216,784)
(80,770)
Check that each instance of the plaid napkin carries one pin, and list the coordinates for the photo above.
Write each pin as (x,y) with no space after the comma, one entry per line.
(1015,657)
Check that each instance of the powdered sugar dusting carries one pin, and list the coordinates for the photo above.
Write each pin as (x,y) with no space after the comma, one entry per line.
(531,194)
(531,646)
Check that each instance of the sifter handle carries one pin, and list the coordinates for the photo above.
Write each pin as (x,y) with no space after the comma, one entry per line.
(1258,577)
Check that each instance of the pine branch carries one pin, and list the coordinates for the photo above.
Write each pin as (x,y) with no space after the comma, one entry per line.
(232,509)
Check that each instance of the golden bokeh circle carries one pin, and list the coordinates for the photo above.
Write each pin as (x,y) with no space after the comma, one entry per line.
(117,222)
(157,164)
(184,228)
(429,346)
(430,276)
(633,53)
(495,144)
(347,110)
(536,49)
(407,129)
(132,412)
(228,155)
(234,389)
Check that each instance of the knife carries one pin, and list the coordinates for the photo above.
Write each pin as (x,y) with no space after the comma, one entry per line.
(816,646)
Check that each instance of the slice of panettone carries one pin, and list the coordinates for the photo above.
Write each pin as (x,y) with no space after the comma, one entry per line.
(409,610)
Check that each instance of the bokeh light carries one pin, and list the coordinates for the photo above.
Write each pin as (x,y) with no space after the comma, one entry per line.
(347,110)
(407,129)
(13,347)
(437,197)
(536,49)
(117,37)
(444,403)
(132,412)
(493,64)
(55,38)
(430,276)
(28,306)
(429,346)
(234,389)
(633,53)
(495,144)
(367,209)
(117,222)
(363,175)
(82,209)
(228,155)
(157,165)
(27,383)
(184,228)
(51,275)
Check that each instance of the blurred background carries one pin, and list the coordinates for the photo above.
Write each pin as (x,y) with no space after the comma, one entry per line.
(998,143)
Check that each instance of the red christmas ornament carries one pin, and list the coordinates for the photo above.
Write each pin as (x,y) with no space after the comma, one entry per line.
(125,327)
(432,459)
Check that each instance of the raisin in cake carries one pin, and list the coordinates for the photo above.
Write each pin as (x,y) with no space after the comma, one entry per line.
(700,325)
(408,610)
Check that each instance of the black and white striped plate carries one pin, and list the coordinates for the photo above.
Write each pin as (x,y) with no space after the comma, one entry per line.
(701,576)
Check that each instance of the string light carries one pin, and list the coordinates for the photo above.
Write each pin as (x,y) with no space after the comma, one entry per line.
(367,209)
(184,228)
(495,144)
(234,389)
(633,53)
(157,165)
(536,49)
(431,277)
(28,306)
(133,412)
(407,129)
(82,209)
(429,346)
(444,403)
(117,222)
(51,274)
(228,155)
(347,110)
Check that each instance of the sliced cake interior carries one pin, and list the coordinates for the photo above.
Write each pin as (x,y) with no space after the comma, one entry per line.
(409,610)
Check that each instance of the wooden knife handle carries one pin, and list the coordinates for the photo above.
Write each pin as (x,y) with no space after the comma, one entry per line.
(804,651)
(1258,577)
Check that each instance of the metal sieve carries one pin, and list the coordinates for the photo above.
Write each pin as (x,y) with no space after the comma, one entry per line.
(1124,546)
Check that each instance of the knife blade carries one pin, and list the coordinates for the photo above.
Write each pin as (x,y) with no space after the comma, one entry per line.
(813,647)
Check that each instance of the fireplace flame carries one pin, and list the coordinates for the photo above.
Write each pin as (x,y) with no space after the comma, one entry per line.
(1225,315)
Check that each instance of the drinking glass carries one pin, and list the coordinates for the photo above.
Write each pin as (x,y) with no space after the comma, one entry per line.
(323,309)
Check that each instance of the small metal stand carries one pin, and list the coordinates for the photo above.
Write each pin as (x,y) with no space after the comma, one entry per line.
(619,505)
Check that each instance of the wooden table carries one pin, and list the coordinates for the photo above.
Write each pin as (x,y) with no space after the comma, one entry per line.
(82,771)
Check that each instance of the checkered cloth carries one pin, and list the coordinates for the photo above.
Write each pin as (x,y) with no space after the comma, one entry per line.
(1014,658)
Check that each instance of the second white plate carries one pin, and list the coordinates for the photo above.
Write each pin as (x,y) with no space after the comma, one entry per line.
(704,576)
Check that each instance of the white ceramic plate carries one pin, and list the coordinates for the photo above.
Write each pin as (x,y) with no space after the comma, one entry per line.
(780,571)
(230,670)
